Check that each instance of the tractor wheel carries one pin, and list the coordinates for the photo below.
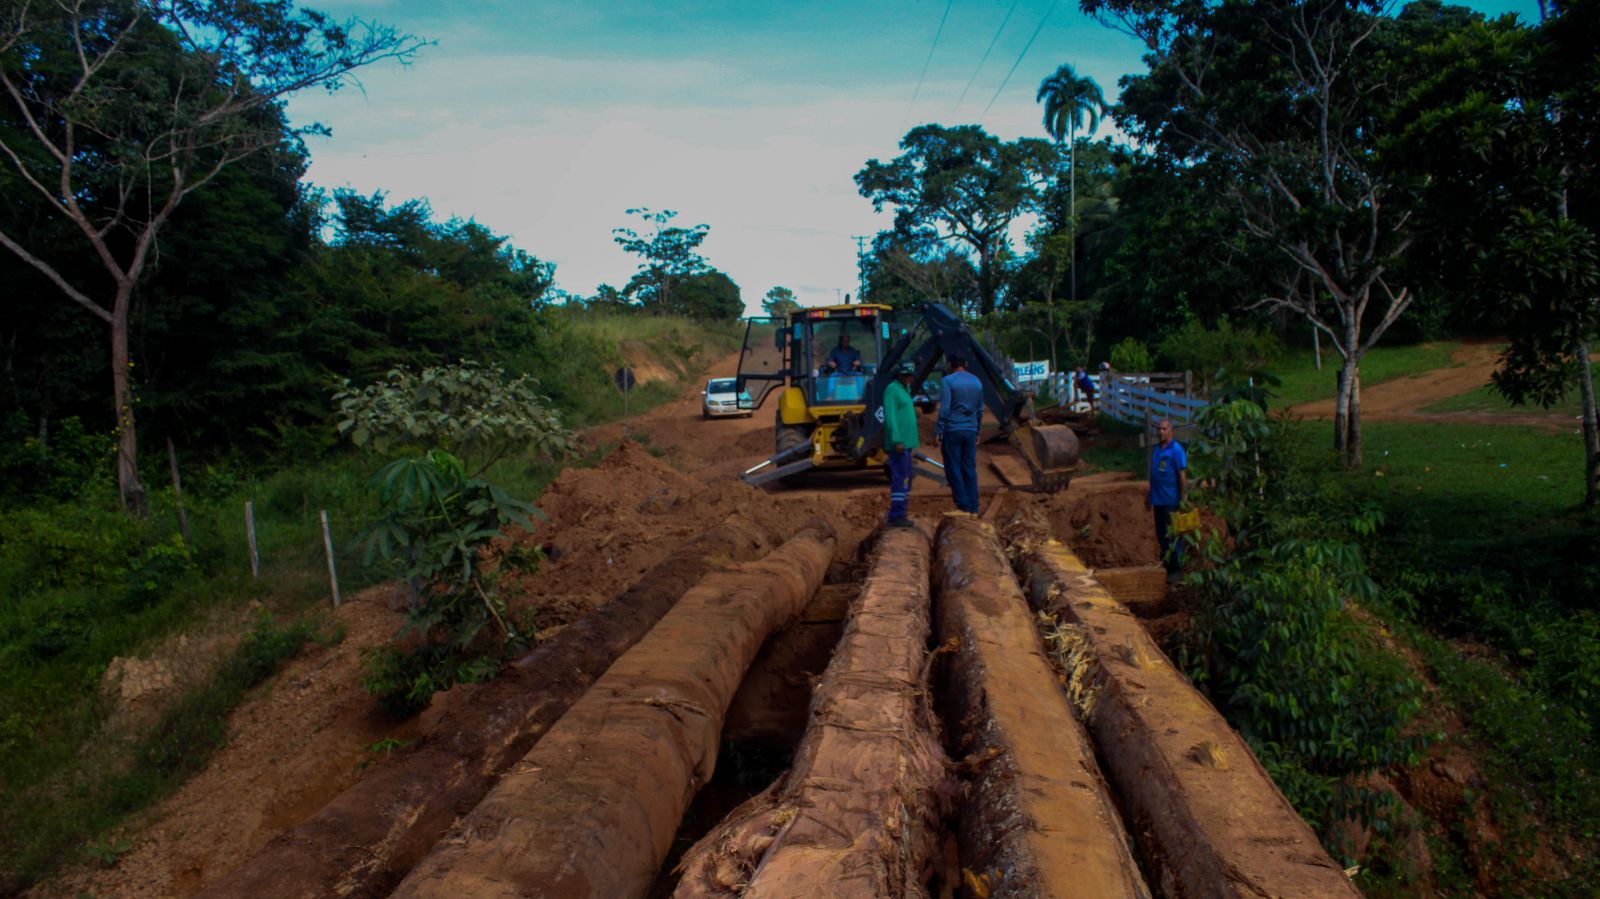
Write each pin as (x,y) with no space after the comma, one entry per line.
(788,437)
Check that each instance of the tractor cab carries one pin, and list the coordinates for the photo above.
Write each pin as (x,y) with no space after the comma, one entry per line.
(820,361)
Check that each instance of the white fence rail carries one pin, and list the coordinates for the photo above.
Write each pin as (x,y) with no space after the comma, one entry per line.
(1136,404)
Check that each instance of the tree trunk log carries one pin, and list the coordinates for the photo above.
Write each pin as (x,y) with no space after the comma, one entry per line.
(592,809)
(363,842)
(858,814)
(1210,821)
(1038,820)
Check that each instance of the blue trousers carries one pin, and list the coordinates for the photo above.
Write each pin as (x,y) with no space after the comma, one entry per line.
(899,483)
(961,468)
(1171,546)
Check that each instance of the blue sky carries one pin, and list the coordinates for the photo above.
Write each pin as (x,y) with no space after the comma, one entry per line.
(545,121)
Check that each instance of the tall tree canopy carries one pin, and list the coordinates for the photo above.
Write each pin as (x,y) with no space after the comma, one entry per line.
(115,111)
(1286,104)
(963,185)
(668,254)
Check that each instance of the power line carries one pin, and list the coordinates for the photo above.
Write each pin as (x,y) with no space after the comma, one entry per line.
(942,19)
(995,40)
(1024,52)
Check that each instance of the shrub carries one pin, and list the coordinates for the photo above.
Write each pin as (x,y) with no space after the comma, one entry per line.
(1277,646)
(437,526)
(1219,354)
(1131,355)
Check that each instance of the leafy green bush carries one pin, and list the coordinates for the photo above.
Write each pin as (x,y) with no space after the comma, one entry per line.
(1219,354)
(57,469)
(1277,646)
(438,525)
(1131,355)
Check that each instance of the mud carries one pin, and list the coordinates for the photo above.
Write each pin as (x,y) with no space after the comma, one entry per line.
(1038,820)
(858,814)
(592,809)
(771,706)
(363,842)
(1209,820)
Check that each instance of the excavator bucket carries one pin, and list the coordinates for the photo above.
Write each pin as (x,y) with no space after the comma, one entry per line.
(1051,452)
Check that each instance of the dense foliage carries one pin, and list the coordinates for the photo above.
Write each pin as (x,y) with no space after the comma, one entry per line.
(1279,646)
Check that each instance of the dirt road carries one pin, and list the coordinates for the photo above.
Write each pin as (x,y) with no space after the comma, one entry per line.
(1404,399)
(312,752)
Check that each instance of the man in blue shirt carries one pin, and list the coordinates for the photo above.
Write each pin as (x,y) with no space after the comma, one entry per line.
(956,432)
(1169,482)
(844,357)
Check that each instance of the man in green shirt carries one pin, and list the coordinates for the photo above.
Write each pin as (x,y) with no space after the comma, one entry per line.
(899,439)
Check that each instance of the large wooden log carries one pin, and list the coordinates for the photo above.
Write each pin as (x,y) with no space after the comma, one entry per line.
(592,809)
(1038,820)
(858,814)
(1210,821)
(363,842)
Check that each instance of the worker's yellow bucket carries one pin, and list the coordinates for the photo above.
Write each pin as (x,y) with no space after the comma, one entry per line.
(1183,522)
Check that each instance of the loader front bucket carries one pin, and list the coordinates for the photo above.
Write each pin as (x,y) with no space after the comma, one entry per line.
(1051,452)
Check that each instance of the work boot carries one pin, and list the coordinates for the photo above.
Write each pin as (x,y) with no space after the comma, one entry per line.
(901,523)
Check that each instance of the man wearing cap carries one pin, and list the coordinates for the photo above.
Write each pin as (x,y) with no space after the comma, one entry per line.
(899,439)
(956,433)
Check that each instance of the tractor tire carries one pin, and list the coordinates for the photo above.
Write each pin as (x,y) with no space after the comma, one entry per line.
(788,437)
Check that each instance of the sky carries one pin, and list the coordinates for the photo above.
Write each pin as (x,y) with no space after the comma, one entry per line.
(546,121)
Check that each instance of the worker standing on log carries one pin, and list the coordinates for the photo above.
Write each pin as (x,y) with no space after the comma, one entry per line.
(900,438)
(956,433)
(1169,483)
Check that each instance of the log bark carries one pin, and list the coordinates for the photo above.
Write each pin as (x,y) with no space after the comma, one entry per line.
(363,842)
(592,809)
(1210,821)
(858,814)
(1038,820)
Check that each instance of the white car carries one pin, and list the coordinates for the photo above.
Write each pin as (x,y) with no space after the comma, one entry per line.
(722,398)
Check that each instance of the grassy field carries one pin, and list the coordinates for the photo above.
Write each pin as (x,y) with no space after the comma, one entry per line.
(1486,399)
(1302,383)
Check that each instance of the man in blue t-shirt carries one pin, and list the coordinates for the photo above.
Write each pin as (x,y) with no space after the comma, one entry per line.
(843,358)
(1169,483)
(956,432)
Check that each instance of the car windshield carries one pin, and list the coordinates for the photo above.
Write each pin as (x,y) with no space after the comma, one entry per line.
(725,385)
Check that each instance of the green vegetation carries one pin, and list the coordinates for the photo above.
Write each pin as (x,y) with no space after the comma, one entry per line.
(1301,382)
(1276,645)
(1488,399)
(85,584)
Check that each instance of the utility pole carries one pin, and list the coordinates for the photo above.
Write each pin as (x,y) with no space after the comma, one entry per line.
(861,263)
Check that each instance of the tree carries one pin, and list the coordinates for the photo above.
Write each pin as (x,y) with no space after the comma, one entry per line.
(903,270)
(707,295)
(1509,127)
(1068,100)
(120,109)
(961,184)
(780,301)
(1287,103)
(670,254)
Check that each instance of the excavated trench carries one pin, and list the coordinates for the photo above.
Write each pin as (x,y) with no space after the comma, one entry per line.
(959,709)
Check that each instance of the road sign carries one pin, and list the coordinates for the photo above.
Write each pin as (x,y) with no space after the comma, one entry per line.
(624,379)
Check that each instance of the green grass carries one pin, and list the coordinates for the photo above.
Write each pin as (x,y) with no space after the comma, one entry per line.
(1302,383)
(1469,484)
(1116,448)
(1486,399)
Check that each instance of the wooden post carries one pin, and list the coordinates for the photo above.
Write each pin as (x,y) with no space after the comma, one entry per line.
(1188,384)
(177,491)
(327,545)
(250,537)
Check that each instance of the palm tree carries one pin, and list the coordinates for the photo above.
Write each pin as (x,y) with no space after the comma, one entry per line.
(1069,100)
